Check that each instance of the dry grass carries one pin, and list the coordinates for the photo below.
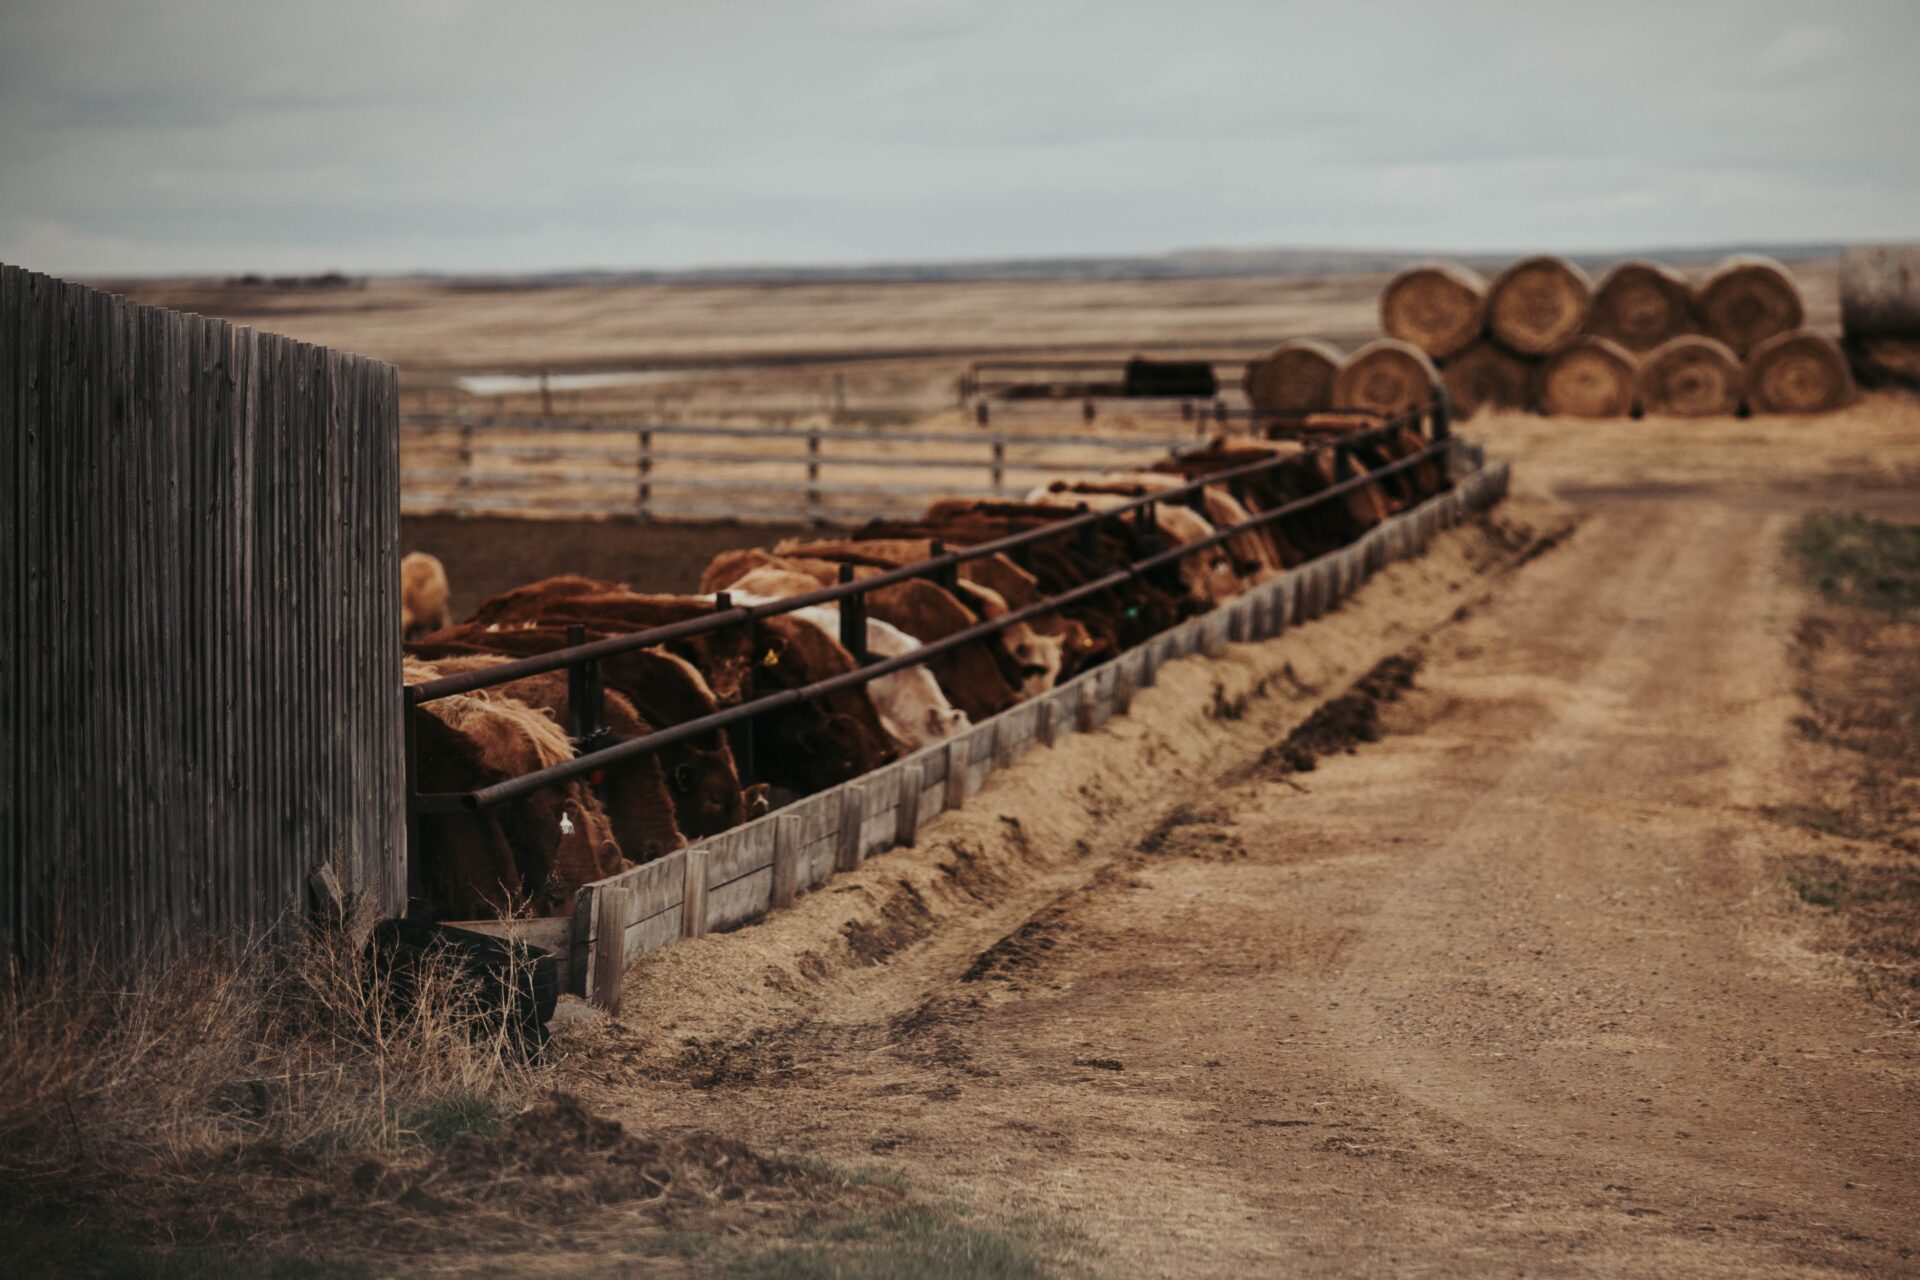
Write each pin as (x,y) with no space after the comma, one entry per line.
(142,1092)
(1858,658)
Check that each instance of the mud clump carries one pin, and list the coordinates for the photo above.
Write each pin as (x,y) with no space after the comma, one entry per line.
(1347,721)
(1020,950)
(905,918)
(557,1161)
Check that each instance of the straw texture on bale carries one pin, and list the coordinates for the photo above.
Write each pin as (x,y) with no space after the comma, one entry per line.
(1437,306)
(1691,377)
(1590,378)
(1880,291)
(1538,305)
(1488,374)
(1387,376)
(1746,301)
(1641,305)
(1295,377)
(1798,372)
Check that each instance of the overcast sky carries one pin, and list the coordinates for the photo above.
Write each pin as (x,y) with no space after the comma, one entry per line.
(386,135)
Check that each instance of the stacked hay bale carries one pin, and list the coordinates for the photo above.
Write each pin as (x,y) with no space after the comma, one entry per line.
(1880,313)
(1543,337)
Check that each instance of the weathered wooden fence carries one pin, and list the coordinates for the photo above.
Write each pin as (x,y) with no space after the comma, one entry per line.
(556,467)
(199,662)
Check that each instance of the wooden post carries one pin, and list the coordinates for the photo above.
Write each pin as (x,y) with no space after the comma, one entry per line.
(853,815)
(1002,743)
(1213,640)
(959,751)
(1151,654)
(1087,708)
(906,812)
(787,834)
(609,959)
(1123,679)
(1043,718)
(693,896)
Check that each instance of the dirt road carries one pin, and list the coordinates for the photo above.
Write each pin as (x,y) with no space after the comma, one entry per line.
(1516,989)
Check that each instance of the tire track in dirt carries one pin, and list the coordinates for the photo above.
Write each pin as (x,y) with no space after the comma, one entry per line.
(1508,991)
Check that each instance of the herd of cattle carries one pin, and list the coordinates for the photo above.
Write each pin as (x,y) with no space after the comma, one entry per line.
(531,855)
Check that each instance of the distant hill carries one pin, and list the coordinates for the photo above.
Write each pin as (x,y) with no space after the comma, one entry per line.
(1191,264)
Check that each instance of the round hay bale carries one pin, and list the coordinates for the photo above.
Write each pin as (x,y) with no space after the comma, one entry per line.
(1640,305)
(1294,377)
(1486,373)
(1437,306)
(1798,372)
(1387,377)
(1590,378)
(1880,291)
(1691,377)
(1747,300)
(1538,305)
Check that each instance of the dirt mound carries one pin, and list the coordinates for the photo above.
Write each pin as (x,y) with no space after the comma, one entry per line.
(1347,721)
(558,1161)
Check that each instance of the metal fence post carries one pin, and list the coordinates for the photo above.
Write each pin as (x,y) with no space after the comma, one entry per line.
(853,620)
(743,759)
(413,862)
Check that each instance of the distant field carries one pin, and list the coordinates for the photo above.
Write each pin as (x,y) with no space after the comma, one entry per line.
(774,350)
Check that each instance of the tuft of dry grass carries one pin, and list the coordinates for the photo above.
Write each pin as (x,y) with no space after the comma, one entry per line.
(152,1075)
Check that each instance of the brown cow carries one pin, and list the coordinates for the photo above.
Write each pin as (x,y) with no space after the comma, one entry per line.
(635,794)
(1209,575)
(663,689)
(529,854)
(423,595)
(1033,649)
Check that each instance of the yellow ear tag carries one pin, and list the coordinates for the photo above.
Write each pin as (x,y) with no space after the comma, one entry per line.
(771,660)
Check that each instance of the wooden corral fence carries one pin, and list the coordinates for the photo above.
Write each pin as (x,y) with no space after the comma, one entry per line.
(741,874)
(199,559)
(543,467)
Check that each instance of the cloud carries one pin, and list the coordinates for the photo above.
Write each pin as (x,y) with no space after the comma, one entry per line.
(472,134)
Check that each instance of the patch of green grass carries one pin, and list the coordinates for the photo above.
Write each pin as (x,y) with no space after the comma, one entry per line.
(851,1177)
(37,1249)
(908,1241)
(436,1123)
(1853,560)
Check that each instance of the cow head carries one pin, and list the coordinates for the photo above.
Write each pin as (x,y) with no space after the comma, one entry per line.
(706,792)
(1038,659)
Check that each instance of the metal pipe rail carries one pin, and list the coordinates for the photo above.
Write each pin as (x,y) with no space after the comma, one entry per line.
(938,567)
(526,784)
(582,660)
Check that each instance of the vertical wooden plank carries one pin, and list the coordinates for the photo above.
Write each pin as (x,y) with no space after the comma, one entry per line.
(846,836)
(906,810)
(1088,708)
(1002,743)
(788,832)
(1122,686)
(609,962)
(693,896)
(12,634)
(1043,721)
(959,761)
